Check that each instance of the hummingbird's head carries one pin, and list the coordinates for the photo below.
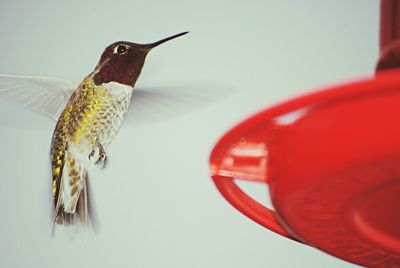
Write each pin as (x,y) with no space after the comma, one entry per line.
(122,61)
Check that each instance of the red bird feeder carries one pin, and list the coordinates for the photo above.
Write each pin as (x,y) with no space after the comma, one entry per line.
(331,160)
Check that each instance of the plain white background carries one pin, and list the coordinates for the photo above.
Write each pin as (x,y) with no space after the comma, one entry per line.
(156,202)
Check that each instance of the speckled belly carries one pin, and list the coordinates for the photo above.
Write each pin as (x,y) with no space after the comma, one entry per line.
(101,121)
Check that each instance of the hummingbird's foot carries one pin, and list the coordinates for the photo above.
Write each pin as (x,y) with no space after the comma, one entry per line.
(98,150)
(102,160)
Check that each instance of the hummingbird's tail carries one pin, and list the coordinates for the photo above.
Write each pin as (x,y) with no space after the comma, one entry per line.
(72,217)
(72,205)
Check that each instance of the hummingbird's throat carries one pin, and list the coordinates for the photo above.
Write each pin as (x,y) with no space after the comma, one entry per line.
(125,71)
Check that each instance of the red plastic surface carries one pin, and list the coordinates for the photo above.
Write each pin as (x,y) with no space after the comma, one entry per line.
(332,161)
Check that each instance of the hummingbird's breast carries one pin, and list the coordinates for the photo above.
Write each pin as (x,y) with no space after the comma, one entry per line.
(94,114)
(98,113)
(112,111)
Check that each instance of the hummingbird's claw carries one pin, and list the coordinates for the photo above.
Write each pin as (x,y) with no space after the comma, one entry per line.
(91,154)
(102,157)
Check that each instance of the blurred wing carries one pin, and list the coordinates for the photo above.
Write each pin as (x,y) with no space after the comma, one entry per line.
(155,104)
(42,94)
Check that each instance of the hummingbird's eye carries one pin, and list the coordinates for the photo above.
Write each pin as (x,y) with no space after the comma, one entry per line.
(121,49)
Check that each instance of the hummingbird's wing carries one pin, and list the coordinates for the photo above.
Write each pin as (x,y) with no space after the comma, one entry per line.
(43,94)
(159,103)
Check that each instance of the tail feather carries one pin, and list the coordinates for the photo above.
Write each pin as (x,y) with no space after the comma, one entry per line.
(71,205)
(79,216)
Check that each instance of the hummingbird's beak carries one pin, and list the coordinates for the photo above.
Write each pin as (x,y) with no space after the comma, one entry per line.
(153,45)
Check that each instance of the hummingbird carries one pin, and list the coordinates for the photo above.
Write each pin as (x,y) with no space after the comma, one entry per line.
(87,121)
